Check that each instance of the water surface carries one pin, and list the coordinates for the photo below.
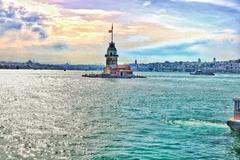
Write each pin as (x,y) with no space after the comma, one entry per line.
(60,115)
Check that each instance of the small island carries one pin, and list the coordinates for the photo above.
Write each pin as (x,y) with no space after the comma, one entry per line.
(112,69)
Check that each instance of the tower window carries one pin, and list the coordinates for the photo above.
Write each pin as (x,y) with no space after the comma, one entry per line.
(237,105)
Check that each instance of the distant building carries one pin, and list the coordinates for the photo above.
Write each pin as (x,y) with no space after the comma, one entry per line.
(214,60)
(199,60)
(135,62)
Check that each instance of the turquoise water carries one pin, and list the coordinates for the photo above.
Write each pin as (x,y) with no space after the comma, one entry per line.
(60,115)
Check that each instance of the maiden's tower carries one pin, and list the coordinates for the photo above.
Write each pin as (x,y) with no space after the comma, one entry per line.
(112,69)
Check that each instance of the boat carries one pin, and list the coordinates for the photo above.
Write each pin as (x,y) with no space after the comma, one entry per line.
(200,72)
(112,68)
(234,122)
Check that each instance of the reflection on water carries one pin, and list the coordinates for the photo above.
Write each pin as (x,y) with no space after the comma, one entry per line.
(60,115)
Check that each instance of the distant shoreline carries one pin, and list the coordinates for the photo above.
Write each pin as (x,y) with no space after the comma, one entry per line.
(231,66)
(101,70)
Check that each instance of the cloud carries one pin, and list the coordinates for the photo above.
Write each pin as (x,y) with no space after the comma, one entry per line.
(42,34)
(60,46)
(53,47)
(96,4)
(180,49)
(224,49)
(137,38)
(146,3)
(17,17)
(7,25)
(223,3)
(32,18)
(94,14)
(206,49)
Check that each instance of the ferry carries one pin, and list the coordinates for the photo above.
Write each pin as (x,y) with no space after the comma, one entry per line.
(200,72)
(112,68)
(234,122)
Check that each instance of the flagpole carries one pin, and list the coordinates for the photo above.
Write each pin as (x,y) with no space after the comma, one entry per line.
(112,34)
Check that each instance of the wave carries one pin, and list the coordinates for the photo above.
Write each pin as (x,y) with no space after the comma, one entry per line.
(197,123)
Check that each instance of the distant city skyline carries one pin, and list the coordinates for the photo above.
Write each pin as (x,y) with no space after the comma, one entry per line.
(76,31)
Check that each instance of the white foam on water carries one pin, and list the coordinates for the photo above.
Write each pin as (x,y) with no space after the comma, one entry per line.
(199,123)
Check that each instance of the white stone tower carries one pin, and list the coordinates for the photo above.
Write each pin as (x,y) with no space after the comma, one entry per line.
(111,56)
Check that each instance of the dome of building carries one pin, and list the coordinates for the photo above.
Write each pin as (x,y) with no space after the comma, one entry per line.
(112,47)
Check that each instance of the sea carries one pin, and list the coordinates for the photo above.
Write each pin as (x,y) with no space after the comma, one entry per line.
(166,116)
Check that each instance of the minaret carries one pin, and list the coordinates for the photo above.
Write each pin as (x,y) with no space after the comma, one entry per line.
(111,56)
(214,60)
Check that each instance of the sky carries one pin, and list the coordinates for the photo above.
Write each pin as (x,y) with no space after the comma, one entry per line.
(76,31)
